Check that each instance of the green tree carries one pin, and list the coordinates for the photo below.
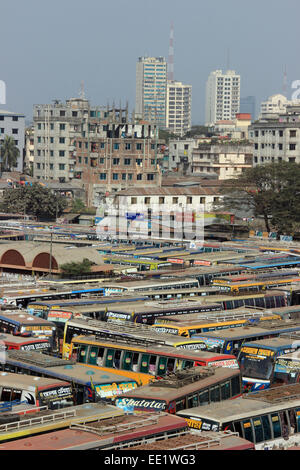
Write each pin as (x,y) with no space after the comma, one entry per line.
(76,269)
(9,153)
(36,200)
(271,191)
(78,205)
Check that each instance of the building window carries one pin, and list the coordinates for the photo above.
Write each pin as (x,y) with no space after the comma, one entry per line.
(61,166)
(123,176)
(101,160)
(116,146)
(15,118)
(293,133)
(292,147)
(61,153)
(116,161)
(61,140)
(175,200)
(133,200)
(161,200)
(127,146)
(139,146)
(62,127)
(102,176)
(139,177)
(150,177)
(127,161)
(130,176)
(115,176)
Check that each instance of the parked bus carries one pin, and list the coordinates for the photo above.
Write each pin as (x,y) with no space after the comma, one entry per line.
(24,343)
(287,369)
(267,418)
(147,312)
(35,390)
(16,426)
(118,432)
(185,389)
(257,360)
(188,325)
(255,284)
(142,360)
(24,324)
(42,309)
(125,330)
(232,339)
(144,286)
(25,299)
(140,264)
(88,384)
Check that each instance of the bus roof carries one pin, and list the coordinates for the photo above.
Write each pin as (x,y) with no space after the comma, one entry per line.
(250,330)
(140,283)
(182,383)
(10,379)
(130,331)
(156,306)
(25,319)
(251,404)
(6,337)
(99,433)
(69,371)
(270,343)
(152,349)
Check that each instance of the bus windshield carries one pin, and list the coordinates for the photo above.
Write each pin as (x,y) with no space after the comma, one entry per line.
(255,362)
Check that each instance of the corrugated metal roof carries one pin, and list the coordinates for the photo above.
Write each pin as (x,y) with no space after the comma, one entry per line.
(169,191)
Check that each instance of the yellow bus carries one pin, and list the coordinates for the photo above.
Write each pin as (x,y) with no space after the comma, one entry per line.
(121,331)
(189,326)
(141,360)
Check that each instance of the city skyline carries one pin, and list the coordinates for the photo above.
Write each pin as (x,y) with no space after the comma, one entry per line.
(55,47)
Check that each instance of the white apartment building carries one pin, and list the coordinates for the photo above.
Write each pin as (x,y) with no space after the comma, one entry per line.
(275,104)
(178,107)
(151,84)
(277,137)
(222,101)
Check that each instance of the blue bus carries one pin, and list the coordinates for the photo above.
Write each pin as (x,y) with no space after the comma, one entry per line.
(231,340)
(257,360)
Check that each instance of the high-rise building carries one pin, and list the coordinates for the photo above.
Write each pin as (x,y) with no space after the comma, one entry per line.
(178,108)
(151,84)
(248,106)
(222,96)
(13,125)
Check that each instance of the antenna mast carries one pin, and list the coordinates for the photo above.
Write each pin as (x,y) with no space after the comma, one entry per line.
(171,55)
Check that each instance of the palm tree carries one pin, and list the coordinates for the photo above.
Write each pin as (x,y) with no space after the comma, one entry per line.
(9,153)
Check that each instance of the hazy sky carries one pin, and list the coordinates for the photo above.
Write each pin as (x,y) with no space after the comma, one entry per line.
(49,47)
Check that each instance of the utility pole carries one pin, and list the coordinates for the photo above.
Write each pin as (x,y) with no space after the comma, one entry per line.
(50,261)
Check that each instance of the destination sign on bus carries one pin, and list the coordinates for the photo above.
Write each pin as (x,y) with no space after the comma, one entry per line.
(257,351)
(112,390)
(141,404)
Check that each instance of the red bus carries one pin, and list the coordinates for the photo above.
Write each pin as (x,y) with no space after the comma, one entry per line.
(24,342)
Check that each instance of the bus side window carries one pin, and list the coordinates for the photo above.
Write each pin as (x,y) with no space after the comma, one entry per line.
(266,427)
(117,358)
(225,390)
(6,394)
(135,362)
(204,398)
(247,428)
(81,354)
(276,425)
(215,393)
(100,357)
(292,419)
(258,430)
(110,358)
(237,427)
(187,364)
(170,365)
(192,401)
(235,386)
(297,411)
(152,364)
